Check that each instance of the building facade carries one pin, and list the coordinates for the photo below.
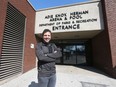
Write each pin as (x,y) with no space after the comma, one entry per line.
(83,40)
(104,43)
(89,26)
(17,39)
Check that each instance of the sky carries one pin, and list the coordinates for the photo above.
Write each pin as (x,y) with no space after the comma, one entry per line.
(42,4)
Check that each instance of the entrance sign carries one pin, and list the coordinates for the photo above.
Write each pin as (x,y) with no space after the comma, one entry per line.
(78,17)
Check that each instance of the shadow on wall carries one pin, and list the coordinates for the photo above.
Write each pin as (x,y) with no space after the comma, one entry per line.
(114,72)
(33,84)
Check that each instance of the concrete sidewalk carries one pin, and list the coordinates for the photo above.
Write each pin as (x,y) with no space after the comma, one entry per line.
(67,76)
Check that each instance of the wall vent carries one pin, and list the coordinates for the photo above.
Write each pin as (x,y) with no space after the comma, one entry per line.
(12,47)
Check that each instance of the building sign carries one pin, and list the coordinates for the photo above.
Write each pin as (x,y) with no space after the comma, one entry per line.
(80,17)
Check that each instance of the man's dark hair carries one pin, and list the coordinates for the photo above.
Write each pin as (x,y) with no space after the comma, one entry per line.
(46,30)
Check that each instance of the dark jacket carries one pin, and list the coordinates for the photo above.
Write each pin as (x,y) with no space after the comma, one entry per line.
(47,54)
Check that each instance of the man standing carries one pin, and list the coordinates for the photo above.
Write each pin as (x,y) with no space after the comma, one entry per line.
(47,53)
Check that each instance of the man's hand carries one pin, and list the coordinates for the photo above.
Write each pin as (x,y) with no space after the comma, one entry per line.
(55,51)
(46,55)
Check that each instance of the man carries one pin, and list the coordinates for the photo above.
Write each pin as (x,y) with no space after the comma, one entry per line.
(47,53)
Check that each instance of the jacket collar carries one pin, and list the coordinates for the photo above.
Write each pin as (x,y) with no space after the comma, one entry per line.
(46,44)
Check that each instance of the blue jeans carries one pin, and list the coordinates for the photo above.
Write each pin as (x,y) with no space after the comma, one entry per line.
(47,81)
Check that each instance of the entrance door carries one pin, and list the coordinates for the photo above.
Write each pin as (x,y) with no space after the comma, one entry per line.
(72,54)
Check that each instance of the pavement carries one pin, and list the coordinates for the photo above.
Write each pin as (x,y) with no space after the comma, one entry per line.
(67,76)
